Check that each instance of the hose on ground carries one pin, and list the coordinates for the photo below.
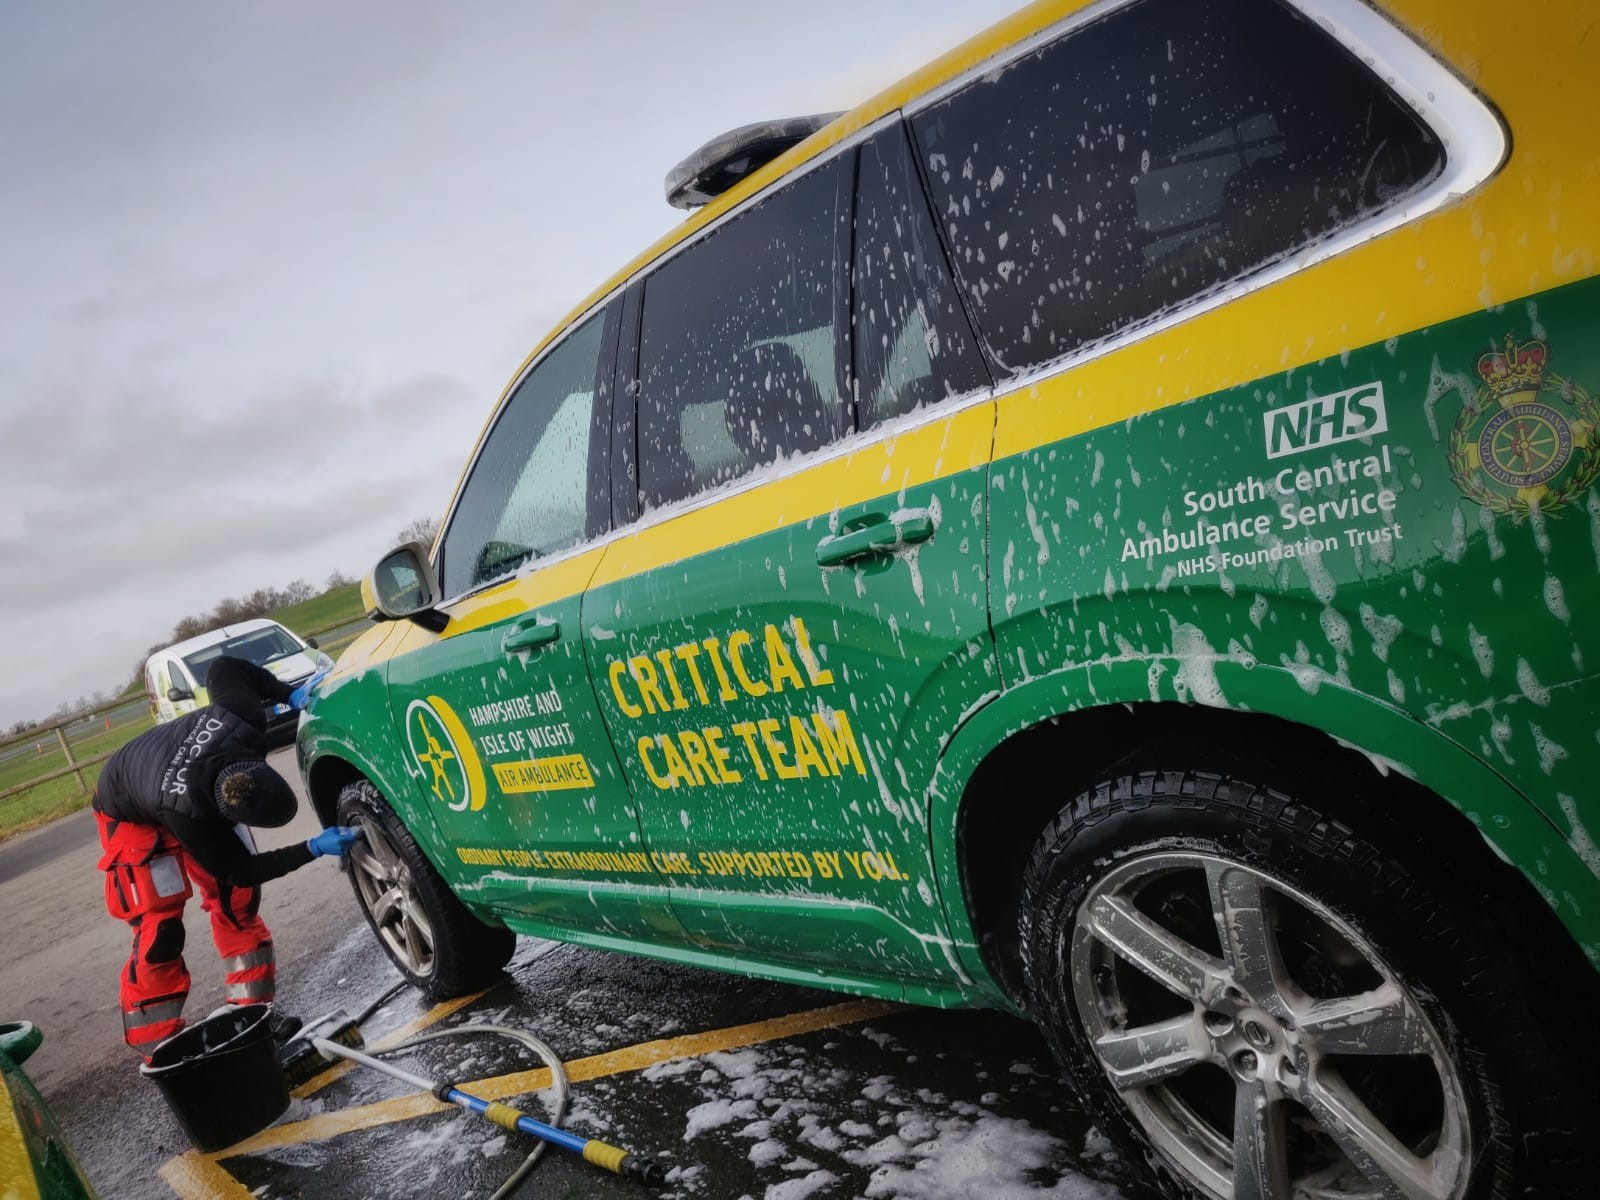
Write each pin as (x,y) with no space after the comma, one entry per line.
(558,1080)
(366,1013)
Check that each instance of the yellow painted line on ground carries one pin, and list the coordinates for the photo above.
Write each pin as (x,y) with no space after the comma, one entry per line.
(414,1026)
(195,1177)
(616,1062)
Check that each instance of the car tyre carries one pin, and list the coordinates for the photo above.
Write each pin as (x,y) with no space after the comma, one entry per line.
(431,937)
(1352,1011)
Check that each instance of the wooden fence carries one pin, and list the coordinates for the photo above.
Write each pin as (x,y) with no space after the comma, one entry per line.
(75,766)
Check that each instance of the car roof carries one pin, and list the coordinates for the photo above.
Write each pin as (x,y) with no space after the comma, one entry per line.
(213,636)
(946,67)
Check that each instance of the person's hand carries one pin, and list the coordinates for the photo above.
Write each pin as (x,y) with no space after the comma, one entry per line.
(301,696)
(335,840)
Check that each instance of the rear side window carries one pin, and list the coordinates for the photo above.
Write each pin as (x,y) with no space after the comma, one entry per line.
(1159,153)
(739,343)
(531,491)
(912,341)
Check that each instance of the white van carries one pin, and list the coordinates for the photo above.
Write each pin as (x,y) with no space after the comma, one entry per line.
(175,678)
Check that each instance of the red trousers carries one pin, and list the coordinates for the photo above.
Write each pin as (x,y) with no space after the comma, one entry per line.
(148,879)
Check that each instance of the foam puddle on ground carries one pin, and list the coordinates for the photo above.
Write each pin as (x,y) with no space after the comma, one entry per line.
(833,1134)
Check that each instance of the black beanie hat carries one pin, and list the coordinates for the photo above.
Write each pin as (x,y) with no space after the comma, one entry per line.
(252,793)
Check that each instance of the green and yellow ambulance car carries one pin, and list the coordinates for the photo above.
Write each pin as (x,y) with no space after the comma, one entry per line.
(1106,528)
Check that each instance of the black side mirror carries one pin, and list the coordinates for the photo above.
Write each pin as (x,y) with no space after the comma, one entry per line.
(177,693)
(404,586)
(312,642)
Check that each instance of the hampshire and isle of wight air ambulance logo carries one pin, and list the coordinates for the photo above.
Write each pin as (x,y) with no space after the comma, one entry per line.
(444,756)
(1527,439)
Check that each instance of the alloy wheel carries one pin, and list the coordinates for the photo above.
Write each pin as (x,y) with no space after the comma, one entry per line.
(1260,1042)
(390,897)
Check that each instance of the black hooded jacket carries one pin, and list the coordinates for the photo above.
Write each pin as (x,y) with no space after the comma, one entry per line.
(167,776)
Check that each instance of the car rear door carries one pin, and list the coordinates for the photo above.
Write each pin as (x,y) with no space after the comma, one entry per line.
(800,615)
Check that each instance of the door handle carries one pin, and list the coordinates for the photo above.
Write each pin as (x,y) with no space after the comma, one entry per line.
(529,633)
(885,534)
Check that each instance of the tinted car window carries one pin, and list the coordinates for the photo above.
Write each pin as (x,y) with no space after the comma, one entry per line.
(529,492)
(912,342)
(1156,154)
(738,352)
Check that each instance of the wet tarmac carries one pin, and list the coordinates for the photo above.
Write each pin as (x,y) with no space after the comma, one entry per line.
(739,1088)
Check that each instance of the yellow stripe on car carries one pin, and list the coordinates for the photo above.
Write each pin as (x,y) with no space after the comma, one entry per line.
(16,1169)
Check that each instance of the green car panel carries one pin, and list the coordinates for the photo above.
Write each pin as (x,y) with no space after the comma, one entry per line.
(1184,563)
(534,773)
(35,1161)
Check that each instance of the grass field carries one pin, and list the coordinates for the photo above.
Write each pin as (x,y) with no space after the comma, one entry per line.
(333,607)
(57,797)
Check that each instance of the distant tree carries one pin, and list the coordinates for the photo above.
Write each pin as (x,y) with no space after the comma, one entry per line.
(261,601)
(423,530)
(189,627)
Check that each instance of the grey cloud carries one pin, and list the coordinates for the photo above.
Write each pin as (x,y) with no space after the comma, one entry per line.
(201,527)
(228,226)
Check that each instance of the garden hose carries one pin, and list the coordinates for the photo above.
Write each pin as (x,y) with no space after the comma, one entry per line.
(558,1080)
(601,1154)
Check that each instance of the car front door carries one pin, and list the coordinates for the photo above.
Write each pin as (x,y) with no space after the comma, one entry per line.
(779,653)
(496,714)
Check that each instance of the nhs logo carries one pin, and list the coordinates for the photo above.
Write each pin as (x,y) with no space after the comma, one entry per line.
(1326,420)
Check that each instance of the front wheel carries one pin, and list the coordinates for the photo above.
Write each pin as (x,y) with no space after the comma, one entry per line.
(429,935)
(1263,1005)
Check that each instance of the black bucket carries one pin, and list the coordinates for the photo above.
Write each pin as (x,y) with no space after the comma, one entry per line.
(221,1077)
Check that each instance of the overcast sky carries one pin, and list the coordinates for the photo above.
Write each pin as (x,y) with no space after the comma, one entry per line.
(265,267)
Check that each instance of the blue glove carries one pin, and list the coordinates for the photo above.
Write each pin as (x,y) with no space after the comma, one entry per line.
(336,840)
(301,696)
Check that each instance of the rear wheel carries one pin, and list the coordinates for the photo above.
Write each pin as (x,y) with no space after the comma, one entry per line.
(1266,1006)
(429,935)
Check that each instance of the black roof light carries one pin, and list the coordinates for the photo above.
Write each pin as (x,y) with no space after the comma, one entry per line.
(729,157)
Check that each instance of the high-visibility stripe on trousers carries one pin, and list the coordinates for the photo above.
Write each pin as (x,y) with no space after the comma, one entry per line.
(250,976)
(148,879)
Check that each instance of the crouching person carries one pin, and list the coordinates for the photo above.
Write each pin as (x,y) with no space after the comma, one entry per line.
(173,806)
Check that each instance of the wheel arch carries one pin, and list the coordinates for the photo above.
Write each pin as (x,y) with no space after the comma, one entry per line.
(326,778)
(329,761)
(1454,802)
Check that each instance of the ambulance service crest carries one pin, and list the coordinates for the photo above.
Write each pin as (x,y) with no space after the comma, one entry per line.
(1527,438)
